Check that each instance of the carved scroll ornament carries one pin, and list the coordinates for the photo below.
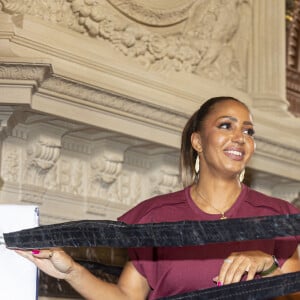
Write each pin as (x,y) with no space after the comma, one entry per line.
(42,155)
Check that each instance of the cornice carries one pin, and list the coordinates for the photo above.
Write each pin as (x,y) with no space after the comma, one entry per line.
(96,97)
(89,96)
(24,71)
(279,151)
(78,93)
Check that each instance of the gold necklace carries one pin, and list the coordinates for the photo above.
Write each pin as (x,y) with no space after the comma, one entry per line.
(223,217)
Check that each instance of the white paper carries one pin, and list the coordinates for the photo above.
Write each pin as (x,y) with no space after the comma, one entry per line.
(18,276)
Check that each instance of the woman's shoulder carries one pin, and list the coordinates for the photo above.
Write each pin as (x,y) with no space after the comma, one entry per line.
(277,205)
(148,209)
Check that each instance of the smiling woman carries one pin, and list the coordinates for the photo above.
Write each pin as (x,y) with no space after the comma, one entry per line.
(219,140)
(218,118)
(224,141)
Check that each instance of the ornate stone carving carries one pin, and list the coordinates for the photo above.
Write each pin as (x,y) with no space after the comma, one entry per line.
(104,171)
(220,31)
(213,43)
(67,176)
(105,167)
(210,44)
(42,154)
(11,163)
(131,187)
(157,13)
(57,11)
(167,181)
(24,71)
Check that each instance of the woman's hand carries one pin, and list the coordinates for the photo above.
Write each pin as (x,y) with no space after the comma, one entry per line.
(55,262)
(247,263)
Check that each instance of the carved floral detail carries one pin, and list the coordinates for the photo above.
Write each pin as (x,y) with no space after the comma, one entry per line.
(213,43)
(56,11)
(209,45)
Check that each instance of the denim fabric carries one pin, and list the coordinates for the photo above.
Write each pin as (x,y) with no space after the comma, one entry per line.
(184,233)
(265,288)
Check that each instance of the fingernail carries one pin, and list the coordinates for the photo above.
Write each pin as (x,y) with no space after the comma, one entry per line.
(219,283)
(35,251)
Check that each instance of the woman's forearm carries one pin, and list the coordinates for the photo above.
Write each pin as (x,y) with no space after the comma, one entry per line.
(91,287)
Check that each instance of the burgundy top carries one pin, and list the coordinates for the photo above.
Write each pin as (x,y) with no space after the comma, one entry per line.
(175,270)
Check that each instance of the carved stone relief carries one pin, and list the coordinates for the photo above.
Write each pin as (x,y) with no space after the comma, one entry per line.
(211,42)
(47,161)
(11,164)
(156,13)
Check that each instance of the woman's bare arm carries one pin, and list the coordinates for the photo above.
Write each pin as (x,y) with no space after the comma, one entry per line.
(56,263)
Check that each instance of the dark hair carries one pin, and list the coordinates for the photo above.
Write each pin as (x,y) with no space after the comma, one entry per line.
(195,123)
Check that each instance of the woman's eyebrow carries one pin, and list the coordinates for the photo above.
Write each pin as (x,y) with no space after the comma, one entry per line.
(235,120)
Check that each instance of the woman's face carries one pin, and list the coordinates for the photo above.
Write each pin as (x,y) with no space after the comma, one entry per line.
(226,139)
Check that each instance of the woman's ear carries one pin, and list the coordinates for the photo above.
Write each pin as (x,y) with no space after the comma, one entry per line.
(196,141)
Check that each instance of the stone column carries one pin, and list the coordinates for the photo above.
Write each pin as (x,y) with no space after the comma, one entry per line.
(267,60)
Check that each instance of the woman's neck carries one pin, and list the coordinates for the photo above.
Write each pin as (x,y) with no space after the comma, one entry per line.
(215,196)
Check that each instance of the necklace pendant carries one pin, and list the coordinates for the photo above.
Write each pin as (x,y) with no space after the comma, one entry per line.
(223,217)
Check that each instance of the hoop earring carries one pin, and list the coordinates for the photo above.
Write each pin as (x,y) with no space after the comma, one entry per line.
(197,165)
(242,175)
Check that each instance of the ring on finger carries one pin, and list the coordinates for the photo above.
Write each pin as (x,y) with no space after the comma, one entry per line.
(228,260)
(50,254)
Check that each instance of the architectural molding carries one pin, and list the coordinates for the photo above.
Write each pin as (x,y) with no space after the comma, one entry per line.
(277,150)
(202,45)
(41,76)
(47,154)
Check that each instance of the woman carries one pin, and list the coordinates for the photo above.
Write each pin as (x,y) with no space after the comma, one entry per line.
(217,143)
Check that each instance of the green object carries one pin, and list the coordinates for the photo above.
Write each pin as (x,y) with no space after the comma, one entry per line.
(272,268)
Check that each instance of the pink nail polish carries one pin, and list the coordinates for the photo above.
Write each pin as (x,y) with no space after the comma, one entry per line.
(219,283)
(35,251)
